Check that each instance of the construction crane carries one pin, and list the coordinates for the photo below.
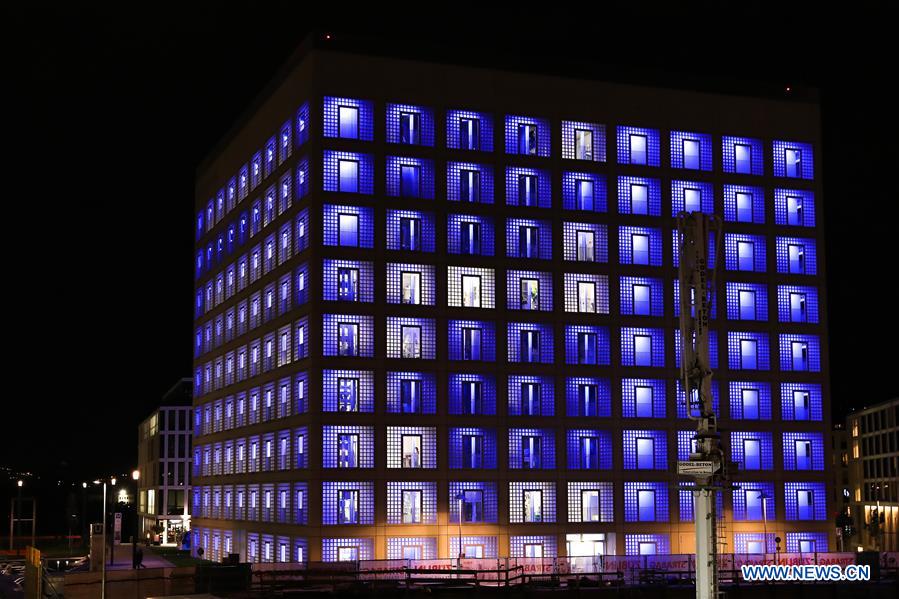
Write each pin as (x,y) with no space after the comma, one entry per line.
(696,283)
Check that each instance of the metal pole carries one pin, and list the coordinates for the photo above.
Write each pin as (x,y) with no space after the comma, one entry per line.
(103,579)
(19,509)
(12,508)
(33,519)
(765,522)
(460,530)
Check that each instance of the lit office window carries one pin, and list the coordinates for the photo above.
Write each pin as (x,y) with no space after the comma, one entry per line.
(584,194)
(533,506)
(529,346)
(348,284)
(410,128)
(347,395)
(792,160)
(471,343)
(411,451)
(348,122)
(471,291)
(530,452)
(530,294)
(691,153)
(586,296)
(410,341)
(743,158)
(347,450)
(527,190)
(470,238)
(469,186)
(348,173)
(583,144)
(527,139)
(410,234)
(585,246)
(347,339)
(410,396)
(348,225)
(468,133)
(639,249)
(410,288)
(527,242)
(637,149)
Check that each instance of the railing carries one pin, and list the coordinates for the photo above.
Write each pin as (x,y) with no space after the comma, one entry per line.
(608,570)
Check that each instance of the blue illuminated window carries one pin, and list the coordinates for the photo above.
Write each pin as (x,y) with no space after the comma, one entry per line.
(587,345)
(410,128)
(348,227)
(793,159)
(469,182)
(639,195)
(349,176)
(410,230)
(347,506)
(347,118)
(645,450)
(410,177)
(806,542)
(750,401)
(805,501)
(642,347)
(470,238)
(469,186)
(742,155)
(588,397)
(412,125)
(744,204)
(347,339)
(796,255)
(410,234)
(527,242)
(801,401)
(794,207)
(752,450)
(347,172)
(348,122)
(347,450)
(638,146)
(530,346)
(527,139)
(640,246)
(527,136)
(800,353)
(691,153)
(754,501)
(645,502)
(468,130)
(348,284)
(744,252)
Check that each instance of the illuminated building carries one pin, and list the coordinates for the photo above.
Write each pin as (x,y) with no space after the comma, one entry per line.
(873,438)
(164,463)
(427,292)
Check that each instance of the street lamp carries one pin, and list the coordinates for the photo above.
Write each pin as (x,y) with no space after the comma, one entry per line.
(460,498)
(135,476)
(764,497)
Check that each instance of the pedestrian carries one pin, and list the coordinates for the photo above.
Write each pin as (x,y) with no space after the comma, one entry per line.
(139,558)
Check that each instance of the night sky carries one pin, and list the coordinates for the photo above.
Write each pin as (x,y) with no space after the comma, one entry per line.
(114,111)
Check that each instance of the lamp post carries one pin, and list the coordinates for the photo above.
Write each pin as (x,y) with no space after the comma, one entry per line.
(135,475)
(764,497)
(85,528)
(460,497)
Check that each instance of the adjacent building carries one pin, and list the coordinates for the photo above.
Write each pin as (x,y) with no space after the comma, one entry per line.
(874,475)
(429,293)
(164,456)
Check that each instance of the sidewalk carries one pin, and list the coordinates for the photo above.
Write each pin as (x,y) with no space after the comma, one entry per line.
(122,560)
